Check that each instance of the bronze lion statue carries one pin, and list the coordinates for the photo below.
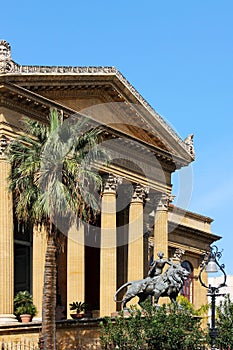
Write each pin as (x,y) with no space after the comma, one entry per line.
(169,284)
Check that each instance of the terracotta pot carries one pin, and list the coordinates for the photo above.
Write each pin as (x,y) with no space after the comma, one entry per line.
(25,318)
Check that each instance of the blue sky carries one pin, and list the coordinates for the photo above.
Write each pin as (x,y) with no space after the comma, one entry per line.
(177,54)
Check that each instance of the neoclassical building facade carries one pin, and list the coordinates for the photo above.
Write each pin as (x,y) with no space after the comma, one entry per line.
(137,218)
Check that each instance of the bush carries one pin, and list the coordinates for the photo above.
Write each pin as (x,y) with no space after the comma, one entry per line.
(157,328)
(224,324)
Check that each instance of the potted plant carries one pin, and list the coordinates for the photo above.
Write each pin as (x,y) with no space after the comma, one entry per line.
(24,309)
(79,307)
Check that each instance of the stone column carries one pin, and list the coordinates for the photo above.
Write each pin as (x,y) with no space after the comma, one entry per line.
(136,241)
(161,224)
(39,250)
(108,249)
(75,265)
(6,240)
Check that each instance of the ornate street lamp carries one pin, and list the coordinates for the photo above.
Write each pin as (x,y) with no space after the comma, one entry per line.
(211,265)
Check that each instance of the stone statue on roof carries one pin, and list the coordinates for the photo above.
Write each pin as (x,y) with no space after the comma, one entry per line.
(5,51)
(189,142)
(6,63)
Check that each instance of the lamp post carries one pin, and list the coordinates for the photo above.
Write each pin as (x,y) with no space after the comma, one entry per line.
(211,265)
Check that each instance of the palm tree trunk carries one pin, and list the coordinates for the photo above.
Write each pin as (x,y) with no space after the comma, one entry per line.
(48,339)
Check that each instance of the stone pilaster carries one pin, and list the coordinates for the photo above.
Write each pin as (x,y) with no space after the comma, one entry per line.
(108,250)
(161,224)
(6,240)
(75,265)
(39,245)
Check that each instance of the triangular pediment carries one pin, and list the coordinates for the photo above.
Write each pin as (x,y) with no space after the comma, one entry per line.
(101,93)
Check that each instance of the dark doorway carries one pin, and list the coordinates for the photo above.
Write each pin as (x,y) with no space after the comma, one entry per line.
(92,267)
(22,268)
(22,257)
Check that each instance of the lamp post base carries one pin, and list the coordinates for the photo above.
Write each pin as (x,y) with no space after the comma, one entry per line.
(213,335)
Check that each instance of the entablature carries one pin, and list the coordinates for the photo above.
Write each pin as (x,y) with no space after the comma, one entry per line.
(190,236)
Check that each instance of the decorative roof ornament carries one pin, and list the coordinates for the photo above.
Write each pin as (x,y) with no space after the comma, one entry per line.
(6,63)
(5,50)
(189,142)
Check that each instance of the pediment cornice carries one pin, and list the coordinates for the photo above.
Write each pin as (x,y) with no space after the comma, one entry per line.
(31,104)
(91,80)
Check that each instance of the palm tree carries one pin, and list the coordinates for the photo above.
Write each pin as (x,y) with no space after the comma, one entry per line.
(52,176)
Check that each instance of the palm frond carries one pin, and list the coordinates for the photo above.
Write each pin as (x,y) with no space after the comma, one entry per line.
(52,169)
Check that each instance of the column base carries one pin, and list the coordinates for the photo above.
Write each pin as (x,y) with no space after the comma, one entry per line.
(37,319)
(7,319)
(126,313)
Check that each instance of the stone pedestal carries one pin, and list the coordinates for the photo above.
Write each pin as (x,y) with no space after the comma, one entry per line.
(6,319)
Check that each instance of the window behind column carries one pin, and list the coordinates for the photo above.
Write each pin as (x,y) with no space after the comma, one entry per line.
(187,290)
(22,257)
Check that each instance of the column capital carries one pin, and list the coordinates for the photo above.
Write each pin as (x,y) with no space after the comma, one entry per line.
(140,193)
(110,183)
(178,254)
(4,141)
(162,200)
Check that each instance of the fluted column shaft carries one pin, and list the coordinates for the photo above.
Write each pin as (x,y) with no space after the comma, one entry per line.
(39,250)
(136,242)
(161,224)
(6,243)
(108,251)
(75,265)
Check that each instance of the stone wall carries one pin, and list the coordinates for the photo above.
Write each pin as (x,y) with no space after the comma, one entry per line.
(82,334)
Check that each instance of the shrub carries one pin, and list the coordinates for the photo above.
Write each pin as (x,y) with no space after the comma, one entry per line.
(224,324)
(158,328)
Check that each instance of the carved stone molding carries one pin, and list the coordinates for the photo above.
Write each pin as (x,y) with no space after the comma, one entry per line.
(61,69)
(111,183)
(140,193)
(162,201)
(4,141)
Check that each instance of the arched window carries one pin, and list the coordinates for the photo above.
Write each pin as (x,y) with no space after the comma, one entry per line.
(187,290)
